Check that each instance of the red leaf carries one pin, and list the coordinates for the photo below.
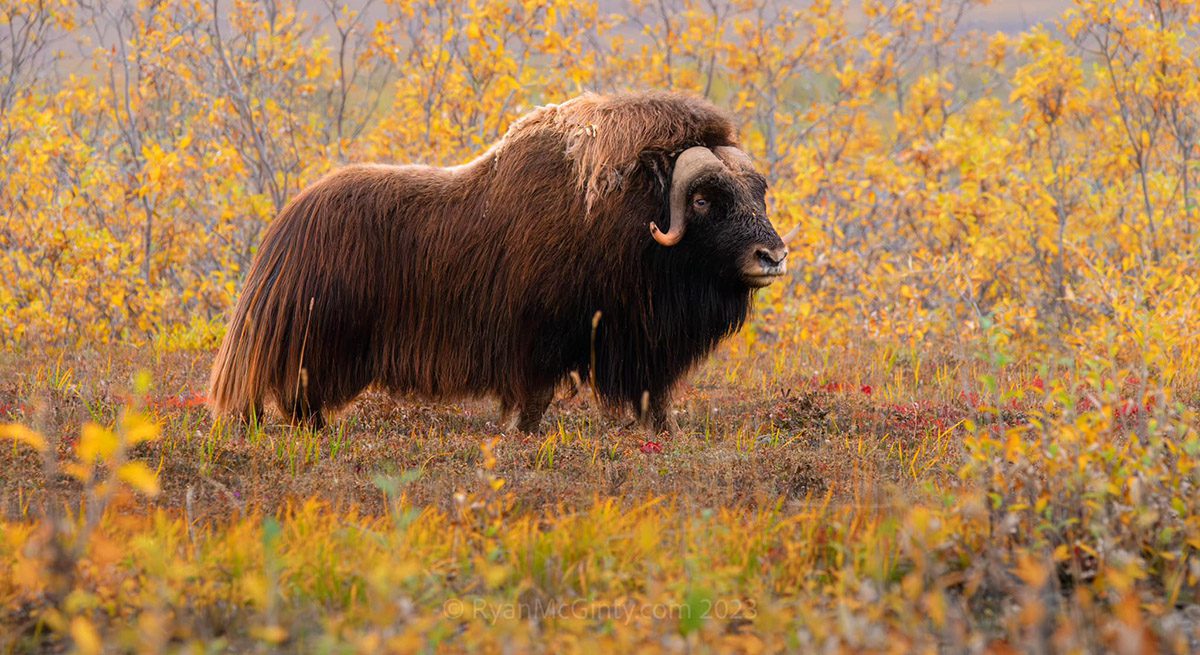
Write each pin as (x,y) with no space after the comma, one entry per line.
(651,447)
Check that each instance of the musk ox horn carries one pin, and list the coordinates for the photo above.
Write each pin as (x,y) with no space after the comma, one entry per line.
(688,165)
(732,155)
(787,238)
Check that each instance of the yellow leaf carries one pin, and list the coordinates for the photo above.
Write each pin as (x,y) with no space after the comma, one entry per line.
(1031,571)
(139,429)
(935,603)
(140,477)
(141,382)
(22,434)
(272,634)
(29,575)
(494,575)
(87,641)
(1062,553)
(78,471)
(96,442)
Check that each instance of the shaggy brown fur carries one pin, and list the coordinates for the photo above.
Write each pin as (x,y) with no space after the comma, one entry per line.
(485,278)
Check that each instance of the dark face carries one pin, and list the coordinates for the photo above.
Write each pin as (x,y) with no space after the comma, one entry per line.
(727,217)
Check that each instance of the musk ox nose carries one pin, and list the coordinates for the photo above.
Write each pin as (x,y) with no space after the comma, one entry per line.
(771,257)
(763,265)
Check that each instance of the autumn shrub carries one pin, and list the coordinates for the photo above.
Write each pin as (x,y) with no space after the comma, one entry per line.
(944,179)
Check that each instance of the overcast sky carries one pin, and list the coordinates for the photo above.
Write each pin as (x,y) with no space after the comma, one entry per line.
(1016,15)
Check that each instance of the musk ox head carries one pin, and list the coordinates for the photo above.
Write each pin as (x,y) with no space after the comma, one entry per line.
(717,205)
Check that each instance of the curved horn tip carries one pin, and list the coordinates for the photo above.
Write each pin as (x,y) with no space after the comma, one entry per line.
(790,236)
(664,239)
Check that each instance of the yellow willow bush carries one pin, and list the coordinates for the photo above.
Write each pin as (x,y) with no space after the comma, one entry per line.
(952,186)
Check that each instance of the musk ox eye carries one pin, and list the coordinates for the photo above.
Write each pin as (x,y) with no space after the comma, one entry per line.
(700,204)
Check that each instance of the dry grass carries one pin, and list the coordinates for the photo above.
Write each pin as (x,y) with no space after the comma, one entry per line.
(741,445)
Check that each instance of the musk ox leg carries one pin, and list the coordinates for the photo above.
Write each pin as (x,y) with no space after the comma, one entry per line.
(326,387)
(529,416)
(253,414)
(656,414)
(302,415)
(305,408)
(506,410)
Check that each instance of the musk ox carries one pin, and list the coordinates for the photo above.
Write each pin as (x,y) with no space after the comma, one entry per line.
(542,259)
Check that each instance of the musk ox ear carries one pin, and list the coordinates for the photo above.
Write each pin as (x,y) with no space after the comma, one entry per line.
(688,165)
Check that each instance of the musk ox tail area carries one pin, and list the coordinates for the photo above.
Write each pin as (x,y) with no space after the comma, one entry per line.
(299,337)
(229,386)
(255,363)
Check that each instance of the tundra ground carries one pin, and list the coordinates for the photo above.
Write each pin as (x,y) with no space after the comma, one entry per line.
(930,502)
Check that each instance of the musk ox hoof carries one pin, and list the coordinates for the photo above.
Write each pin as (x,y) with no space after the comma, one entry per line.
(313,421)
(657,425)
(669,427)
(529,418)
(516,425)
